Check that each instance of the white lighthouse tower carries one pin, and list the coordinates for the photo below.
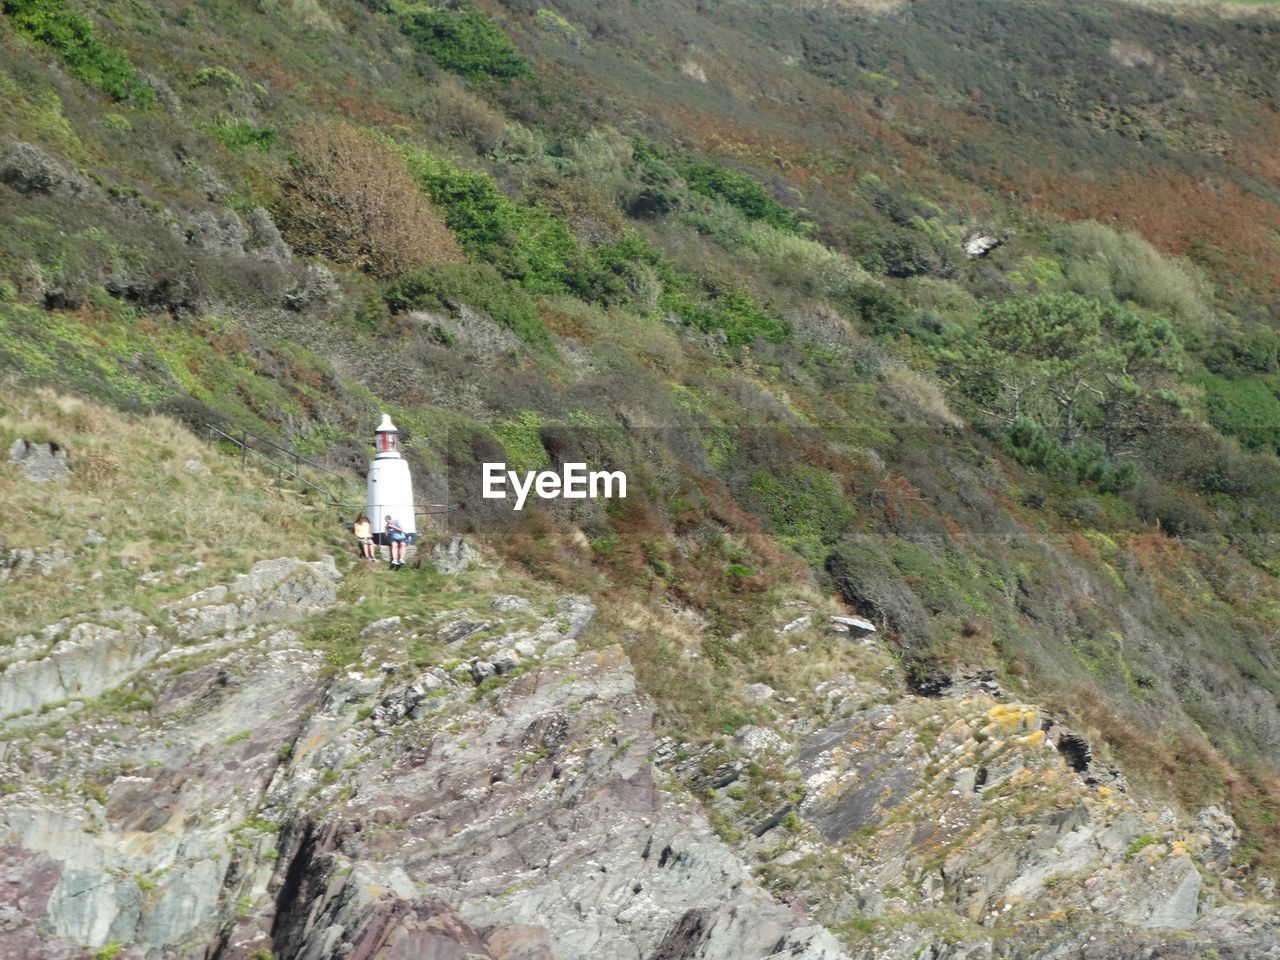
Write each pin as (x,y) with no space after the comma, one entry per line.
(390,487)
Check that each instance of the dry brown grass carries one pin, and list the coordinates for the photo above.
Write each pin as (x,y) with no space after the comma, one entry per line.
(130,482)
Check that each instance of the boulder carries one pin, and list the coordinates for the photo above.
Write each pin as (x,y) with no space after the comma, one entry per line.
(41,462)
(457,631)
(384,626)
(25,562)
(575,613)
(504,661)
(978,245)
(509,603)
(759,740)
(853,626)
(563,648)
(456,556)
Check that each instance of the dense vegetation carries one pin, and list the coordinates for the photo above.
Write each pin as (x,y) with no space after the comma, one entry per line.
(55,25)
(735,268)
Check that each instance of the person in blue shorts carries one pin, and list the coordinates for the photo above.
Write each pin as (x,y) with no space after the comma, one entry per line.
(398,538)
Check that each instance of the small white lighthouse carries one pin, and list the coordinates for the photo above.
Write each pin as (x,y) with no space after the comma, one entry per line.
(390,486)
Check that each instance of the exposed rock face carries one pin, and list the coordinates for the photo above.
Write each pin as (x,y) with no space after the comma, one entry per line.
(274,591)
(86,659)
(987,817)
(41,462)
(538,812)
(515,805)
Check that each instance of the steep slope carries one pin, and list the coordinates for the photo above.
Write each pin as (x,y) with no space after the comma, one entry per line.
(274,774)
(799,270)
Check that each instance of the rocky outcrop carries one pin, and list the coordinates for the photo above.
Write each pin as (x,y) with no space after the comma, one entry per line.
(266,804)
(274,591)
(41,462)
(456,556)
(537,811)
(978,245)
(83,660)
(19,562)
(965,806)
(511,801)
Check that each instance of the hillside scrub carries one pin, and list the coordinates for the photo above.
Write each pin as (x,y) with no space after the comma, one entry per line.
(349,198)
(461,39)
(72,36)
(764,312)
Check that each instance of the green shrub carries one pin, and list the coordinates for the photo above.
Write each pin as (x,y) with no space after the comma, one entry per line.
(1255,353)
(523,241)
(462,40)
(740,191)
(1132,269)
(217,76)
(71,35)
(877,308)
(659,188)
(805,504)
(902,254)
(243,135)
(1140,844)
(479,286)
(1245,409)
(733,312)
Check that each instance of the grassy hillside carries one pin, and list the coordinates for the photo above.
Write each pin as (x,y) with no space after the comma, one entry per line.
(720,248)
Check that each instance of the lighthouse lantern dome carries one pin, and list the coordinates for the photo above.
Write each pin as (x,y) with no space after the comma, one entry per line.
(386,437)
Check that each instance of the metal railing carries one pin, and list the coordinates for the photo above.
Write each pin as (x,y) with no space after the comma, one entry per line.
(339,492)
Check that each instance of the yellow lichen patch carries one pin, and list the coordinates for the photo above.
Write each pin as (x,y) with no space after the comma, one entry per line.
(1178,847)
(1033,738)
(1104,791)
(1014,717)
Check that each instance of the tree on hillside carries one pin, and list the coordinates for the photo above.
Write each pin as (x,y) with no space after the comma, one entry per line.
(349,197)
(1069,364)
